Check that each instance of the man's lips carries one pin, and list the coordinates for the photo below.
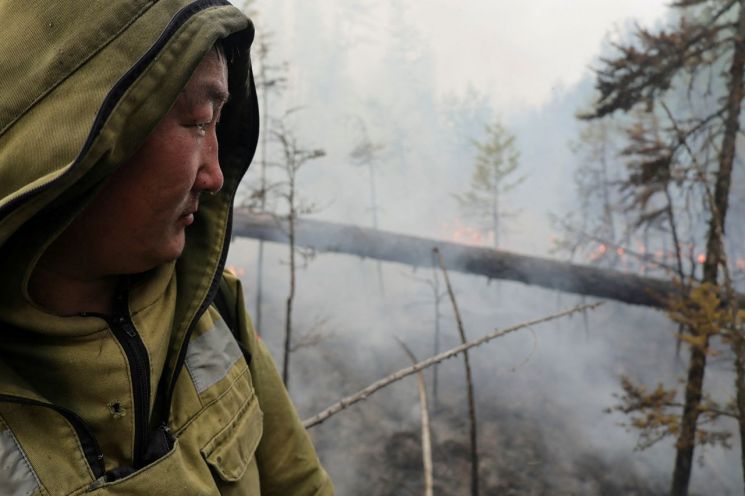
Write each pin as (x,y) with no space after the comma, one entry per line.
(186,219)
(191,209)
(188,215)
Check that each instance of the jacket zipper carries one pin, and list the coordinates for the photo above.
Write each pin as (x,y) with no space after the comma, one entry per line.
(91,449)
(126,333)
(170,387)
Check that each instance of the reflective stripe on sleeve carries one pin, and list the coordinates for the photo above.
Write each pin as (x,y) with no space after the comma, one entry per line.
(17,477)
(211,355)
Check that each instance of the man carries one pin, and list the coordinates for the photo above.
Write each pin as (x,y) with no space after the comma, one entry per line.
(118,374)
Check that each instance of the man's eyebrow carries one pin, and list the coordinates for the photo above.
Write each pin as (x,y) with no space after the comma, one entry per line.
(213,93)
(217,95)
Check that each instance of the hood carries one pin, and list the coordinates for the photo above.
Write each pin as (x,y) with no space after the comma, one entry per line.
(83,84)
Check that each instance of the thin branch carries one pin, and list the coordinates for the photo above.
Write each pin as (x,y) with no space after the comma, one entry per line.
(469,379)
(426,436)
(363,394)
(712,410)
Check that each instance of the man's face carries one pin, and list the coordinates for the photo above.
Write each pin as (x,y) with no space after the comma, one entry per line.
(140,215)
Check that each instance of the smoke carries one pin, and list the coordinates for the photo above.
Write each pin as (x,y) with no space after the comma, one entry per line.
(541,393)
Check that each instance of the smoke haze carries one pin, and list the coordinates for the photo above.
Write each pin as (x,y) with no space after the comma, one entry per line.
(422,80)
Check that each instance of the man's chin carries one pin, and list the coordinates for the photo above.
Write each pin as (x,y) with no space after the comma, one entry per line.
(174,252)
(169,251)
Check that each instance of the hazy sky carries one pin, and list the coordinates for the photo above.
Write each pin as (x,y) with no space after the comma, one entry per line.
(520,50)
(515,51)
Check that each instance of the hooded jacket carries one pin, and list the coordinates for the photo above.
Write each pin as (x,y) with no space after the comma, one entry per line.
(158,397)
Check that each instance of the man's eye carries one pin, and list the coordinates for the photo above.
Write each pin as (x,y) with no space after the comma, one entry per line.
(202,127)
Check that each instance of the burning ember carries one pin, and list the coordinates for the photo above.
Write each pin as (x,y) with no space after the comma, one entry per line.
(644,258)
(458,232)
(598,253)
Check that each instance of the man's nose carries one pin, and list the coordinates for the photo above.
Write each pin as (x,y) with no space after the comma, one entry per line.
(209,177)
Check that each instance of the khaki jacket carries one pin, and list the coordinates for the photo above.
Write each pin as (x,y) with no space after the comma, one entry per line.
(159,397)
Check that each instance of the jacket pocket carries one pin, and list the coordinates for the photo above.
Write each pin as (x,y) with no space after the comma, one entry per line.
(232,449)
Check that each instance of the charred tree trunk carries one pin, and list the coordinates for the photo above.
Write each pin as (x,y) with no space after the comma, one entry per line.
(714,257)
(494,264)
(740,393)
(469,381)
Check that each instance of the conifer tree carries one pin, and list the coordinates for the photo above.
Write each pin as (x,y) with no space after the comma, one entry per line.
(689,78)
(494,175)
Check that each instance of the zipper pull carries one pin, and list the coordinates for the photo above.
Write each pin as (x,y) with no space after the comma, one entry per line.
(130,331)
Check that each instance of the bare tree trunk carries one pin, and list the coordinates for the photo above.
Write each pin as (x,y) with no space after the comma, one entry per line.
(678,260)
(739,348)
(424,411)
(714,256)
(469,382)
(607,205)
(263,77)
(259,284)
(495,218)
(291,294)
(436,348)
(374,208)
(686,438)
(294,158)
(676,238)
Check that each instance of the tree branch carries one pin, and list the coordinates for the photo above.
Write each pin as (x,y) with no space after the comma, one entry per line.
(405,372)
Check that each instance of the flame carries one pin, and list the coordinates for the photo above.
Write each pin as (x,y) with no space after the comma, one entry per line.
(458,232)
(598,253)
(658,255)
(236,271)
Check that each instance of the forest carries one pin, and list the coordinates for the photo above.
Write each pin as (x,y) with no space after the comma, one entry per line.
(524,275)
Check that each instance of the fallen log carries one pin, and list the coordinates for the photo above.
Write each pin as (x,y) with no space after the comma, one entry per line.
(494,264)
